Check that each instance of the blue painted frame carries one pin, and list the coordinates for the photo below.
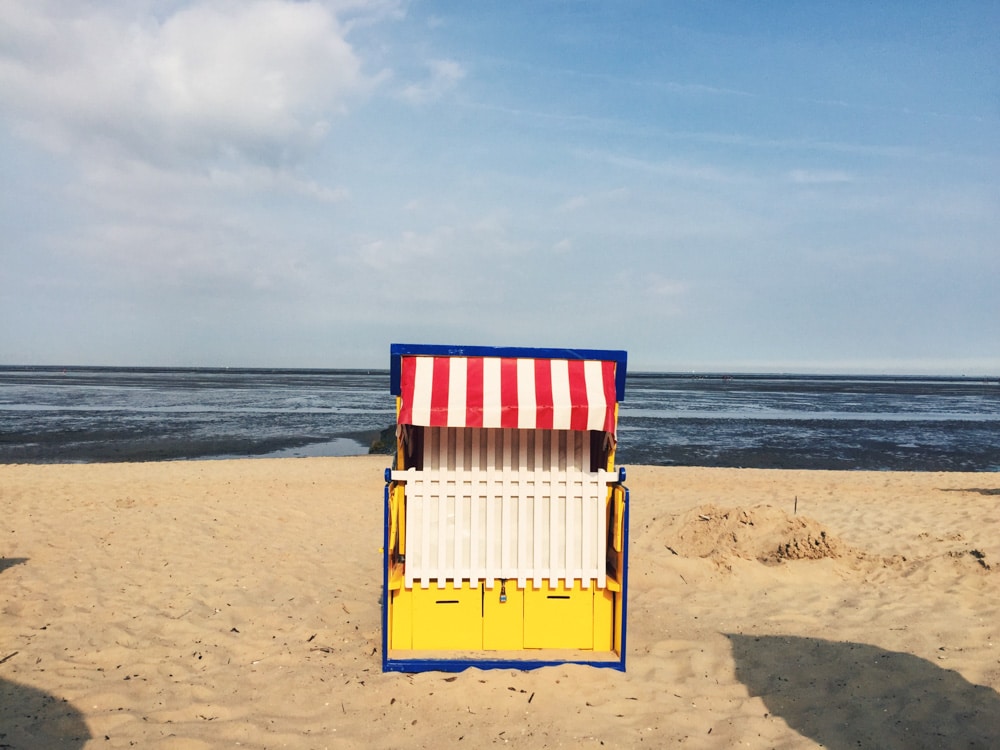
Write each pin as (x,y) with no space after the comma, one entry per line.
(397,351)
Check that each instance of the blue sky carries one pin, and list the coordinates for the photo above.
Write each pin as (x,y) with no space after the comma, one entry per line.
(809,187)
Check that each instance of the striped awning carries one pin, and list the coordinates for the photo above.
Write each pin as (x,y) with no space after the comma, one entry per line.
(511,392)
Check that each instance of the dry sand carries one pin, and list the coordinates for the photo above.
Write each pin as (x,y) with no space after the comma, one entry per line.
(235,603)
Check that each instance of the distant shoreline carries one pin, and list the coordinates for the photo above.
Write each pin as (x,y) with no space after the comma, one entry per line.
(988,378)
(175,449)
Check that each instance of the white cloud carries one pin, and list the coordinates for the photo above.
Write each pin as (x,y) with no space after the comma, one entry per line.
(673,169)
(254,178)
(576,203)
(219,80)
(660,287)
(186,127)
(409,252)
(443,76)
(819,177)
(591,200)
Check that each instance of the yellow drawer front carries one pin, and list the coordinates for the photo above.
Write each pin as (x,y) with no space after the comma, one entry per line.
(449,618)
(558,617)
(503,622)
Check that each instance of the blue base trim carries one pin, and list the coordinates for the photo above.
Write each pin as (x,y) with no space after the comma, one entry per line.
(623,644)
(385,575)
(460,665)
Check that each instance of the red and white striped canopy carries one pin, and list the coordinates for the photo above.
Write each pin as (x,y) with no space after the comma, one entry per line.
(513,392)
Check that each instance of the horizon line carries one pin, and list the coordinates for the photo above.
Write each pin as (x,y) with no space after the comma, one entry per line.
(736,372)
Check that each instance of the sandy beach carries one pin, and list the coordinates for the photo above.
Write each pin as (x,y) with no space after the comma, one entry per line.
(203,604)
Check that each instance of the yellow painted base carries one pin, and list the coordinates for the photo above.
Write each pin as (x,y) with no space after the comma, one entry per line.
(448,618)
(401,618)
(557,617)
(605,620)
(503,618)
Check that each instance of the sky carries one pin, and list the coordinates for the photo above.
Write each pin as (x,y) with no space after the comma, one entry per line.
(711,186)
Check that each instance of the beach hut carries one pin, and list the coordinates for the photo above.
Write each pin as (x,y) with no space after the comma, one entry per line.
(506,521)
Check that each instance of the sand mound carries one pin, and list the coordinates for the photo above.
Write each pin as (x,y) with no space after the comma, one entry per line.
(763,533)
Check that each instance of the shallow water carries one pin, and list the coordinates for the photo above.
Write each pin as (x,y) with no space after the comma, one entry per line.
(102,414)
(916,424)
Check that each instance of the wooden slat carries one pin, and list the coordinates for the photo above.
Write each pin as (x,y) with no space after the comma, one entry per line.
(507,504)
(492,540)
(527,492)
(588,512)
(461,530)
(425,542)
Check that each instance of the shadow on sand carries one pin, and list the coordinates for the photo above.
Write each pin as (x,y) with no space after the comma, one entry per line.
(31,718)
(10,562)
(851,695)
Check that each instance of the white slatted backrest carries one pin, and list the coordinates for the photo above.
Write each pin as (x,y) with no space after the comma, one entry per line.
(505,504)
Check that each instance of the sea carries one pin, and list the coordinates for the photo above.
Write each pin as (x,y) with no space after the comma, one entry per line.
(883,423)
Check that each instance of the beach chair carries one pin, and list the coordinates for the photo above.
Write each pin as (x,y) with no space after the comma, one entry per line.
(506,521)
